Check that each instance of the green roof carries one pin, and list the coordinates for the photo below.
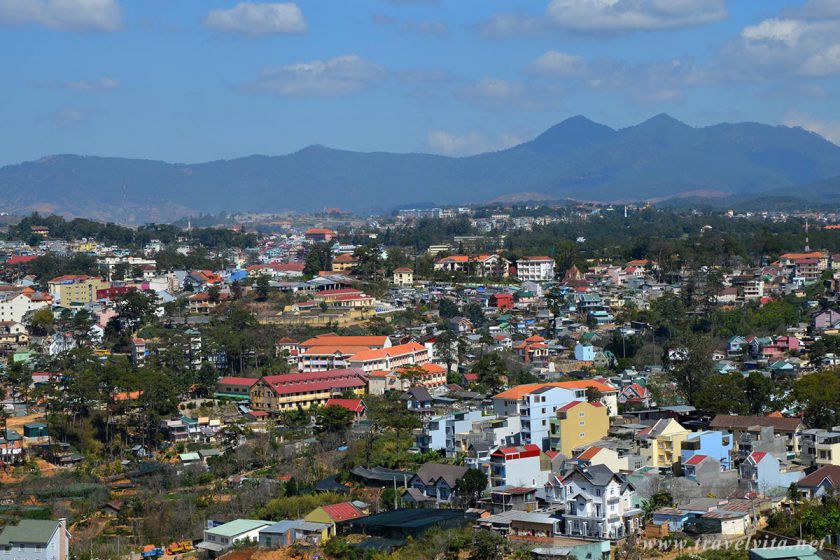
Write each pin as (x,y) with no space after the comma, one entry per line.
(804,552)
(192,456)
(30,531)
(238,526)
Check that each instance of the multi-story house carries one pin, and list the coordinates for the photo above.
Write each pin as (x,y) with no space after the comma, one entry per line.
(522,465)
(576,424)
(766,474)
(739,426)
(34,539)
(524,401)
(15,304)
(432,436)
(717,445)
(661,444)
(403,277)
(437,481)
(596,502)
(491,432)
(284,393)
(326,352)
(410,354)
(11,447)
(72,290)
(478,265)
(535,269)
(820,447)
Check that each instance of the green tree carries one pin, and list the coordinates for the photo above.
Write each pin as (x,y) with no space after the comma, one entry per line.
(40,321)
(471,485)
(691,364)
(759,391)
(447,308)
(492,372)
(262,287)
(335,419)
(818,396)
(722,394)
(318,258)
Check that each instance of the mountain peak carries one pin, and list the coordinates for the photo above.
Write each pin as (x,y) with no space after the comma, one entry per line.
(572,132)
(664,120)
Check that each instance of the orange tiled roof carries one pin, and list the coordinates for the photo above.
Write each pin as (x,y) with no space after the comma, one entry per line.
(521,390)
(389,352)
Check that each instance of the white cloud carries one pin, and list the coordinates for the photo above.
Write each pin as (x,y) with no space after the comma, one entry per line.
(606,17)
(776,48)
(496,94)
(69,116)
(65,15)
(341,75)
(249,18)
(828,129)
(469,143)
(106,83)
(622,16)
(428,28)
(814,9)
(557,65)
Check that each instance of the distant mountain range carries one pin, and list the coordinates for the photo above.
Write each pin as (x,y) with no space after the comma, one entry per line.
(658,159)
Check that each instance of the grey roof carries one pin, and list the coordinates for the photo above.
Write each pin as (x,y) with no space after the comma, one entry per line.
(29,531)
(420,394)
(430,473)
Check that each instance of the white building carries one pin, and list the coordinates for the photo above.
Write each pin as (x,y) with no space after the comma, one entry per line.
(522,465)
(14,305)
(218,538)
(535,269)
(537,403)
(33,539)
(596,501)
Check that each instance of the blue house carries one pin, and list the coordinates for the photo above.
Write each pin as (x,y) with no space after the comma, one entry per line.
(765,473)
(716,445)
(673,517)
(584,352)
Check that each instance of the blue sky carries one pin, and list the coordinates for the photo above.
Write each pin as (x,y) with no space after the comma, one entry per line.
(196,80)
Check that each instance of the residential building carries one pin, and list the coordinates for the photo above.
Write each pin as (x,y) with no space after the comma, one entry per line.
(288,532)
(283,393)
(238,388)
(11,447)
(596,502)
(35,539)
(320,235)
(513,498)
(820,447)
(521,465)
(765,474)
(576,424)
(344,262)
(523,401)
(15,304)
(535,269)
(392,357)
(792,552)
(790,428)
(717,445)
(437,481)
(72,290)
(403,277)
(426,375)
(478,265)
(823,481)
(326,352)
(661,444)
(219,538)
(334,513)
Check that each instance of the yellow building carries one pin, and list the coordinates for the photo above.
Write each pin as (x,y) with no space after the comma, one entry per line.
(403,277)
(73,290)
(828,450)
(661,444)
(577,424)
(293,391)
(344,262)
(334,513)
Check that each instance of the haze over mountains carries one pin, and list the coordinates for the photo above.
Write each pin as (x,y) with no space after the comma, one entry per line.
(658,159)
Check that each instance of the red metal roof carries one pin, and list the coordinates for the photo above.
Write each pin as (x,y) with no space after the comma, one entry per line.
(342,511)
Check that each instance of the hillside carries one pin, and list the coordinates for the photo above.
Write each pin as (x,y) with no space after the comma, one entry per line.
(654,160)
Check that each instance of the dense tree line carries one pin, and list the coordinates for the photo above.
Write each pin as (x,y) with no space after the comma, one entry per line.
(110,233)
